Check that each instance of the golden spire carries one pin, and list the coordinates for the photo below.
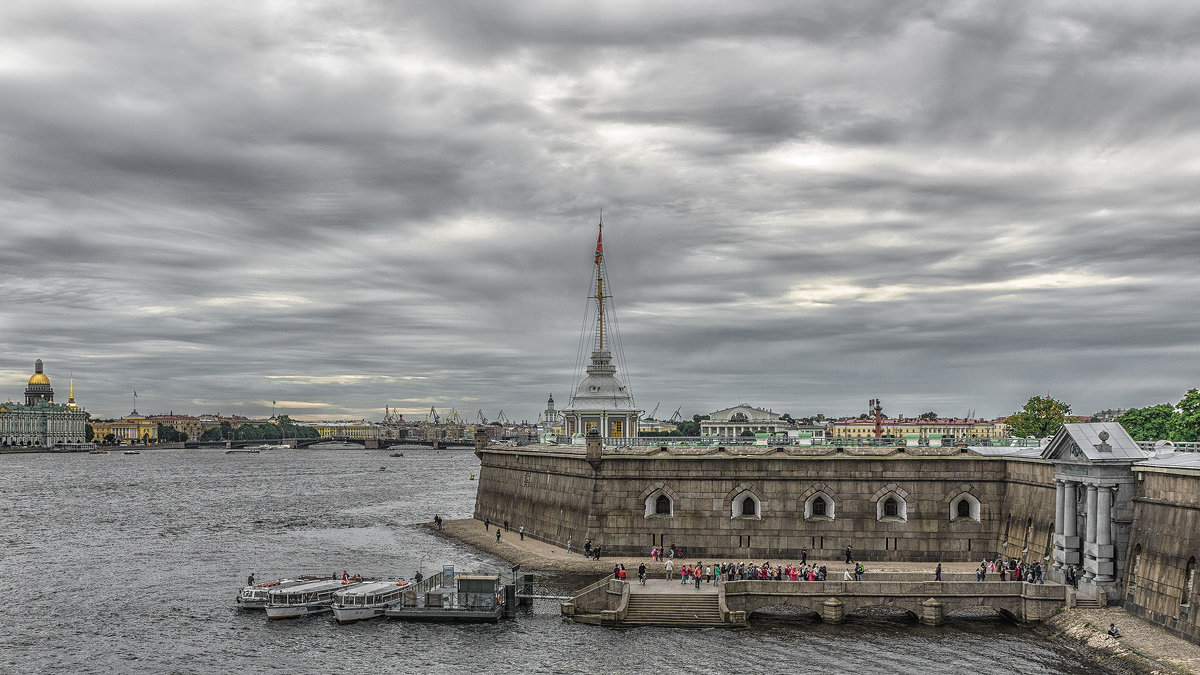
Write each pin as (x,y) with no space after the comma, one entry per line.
(600,296)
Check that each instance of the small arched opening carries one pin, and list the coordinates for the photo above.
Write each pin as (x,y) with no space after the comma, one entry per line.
(746,505)
(659,504)
(819,506)
(891,507)
(964,507)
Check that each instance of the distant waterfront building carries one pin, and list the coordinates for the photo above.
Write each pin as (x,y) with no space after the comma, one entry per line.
(132,428)
(358,429)
(923,428)
(40,422)
(656,427)
(733,422)
(601,402)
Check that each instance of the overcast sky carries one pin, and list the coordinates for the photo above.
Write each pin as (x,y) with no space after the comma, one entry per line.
(346,205)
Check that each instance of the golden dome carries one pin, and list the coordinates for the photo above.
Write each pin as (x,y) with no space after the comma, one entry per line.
(39,378)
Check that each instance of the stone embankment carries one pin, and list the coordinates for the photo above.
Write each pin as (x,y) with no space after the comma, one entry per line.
(1142,647)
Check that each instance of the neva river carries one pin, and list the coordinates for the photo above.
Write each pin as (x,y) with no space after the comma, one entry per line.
(129,563)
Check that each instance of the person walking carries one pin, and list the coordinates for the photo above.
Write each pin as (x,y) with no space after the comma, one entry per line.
(587,548)
(522,532)
(642,573)
(803,557)
(487,525)
(937,573)
(506,526)
(568,547)
(849,555)
(497,535)
(670,568)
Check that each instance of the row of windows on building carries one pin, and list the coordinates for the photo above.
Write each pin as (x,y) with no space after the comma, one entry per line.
(820,505)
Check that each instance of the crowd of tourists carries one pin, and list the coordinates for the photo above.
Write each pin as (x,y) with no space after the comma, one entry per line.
(1012,570)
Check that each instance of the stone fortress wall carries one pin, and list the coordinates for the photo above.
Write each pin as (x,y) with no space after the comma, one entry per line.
(558,495)
(1163,547)
(564,493)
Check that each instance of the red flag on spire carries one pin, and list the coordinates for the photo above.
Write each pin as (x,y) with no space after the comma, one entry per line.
(599,248)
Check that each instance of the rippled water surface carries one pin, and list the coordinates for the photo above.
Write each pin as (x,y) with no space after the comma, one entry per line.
(130,563)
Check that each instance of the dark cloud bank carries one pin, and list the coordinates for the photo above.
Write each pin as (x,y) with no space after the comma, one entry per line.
(346,205)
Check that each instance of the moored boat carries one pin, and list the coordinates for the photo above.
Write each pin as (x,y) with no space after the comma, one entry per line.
(256,596)
(312,597)
(238,451)
(367,600)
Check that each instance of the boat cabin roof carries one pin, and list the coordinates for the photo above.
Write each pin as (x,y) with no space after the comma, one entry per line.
(314,586)
(371,587)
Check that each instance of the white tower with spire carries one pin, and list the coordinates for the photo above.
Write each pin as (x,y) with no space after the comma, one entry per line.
(601,401)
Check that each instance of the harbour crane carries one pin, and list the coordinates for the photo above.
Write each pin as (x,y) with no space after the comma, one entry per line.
(454,418)
(503,419)
(675,416)
(432,416)
(654,412)
(482,419)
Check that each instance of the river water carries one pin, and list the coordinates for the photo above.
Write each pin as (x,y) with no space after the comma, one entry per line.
(130,563)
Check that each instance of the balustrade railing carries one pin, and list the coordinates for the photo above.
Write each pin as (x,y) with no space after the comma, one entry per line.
(787,441)
(1180,446)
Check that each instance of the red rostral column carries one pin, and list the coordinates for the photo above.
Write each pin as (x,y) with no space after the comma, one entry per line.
(878,419)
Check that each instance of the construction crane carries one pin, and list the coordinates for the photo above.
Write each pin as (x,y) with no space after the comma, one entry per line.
(675,416)
(454,418)
(654,412)
(432,416)
(502,419)
(482,419)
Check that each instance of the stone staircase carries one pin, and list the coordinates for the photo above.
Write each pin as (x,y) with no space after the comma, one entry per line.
(676,610)
(1084,602)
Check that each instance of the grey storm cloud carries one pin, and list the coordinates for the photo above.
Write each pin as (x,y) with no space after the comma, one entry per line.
(342,206)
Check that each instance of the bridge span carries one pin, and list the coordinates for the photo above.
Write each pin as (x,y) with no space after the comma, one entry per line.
(369,443)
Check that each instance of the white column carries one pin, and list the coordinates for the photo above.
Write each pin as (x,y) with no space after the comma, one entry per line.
(1104,553)
(1089,550)
(1060,490)
(1070,518)
(1090,527)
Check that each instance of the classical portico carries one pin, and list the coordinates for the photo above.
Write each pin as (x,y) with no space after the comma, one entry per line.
(1093,495)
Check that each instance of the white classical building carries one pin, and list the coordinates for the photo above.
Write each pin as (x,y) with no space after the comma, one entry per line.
(733,422)
(41,422)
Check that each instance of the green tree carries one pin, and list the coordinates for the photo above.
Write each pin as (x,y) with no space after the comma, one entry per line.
(1042,416)
(211,434)
(1151,423)
(109,439)
(928,415)
(89,433)
(1185,425)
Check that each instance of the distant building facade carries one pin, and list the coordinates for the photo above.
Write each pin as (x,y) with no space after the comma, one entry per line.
(923,428)
(741,419)
(41,422)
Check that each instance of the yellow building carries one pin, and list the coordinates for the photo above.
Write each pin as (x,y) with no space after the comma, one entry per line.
(923,428)
(132,428)
(360,430)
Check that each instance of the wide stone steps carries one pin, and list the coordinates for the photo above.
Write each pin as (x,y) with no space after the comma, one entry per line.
(681,611)
(1086,603)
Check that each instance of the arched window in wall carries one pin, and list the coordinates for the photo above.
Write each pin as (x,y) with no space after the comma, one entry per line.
(820,506)
(965,506)
(746,505)
(1134,569)
(891,507)
(659,504)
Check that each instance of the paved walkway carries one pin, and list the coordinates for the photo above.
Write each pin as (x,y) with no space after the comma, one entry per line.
(1138,636)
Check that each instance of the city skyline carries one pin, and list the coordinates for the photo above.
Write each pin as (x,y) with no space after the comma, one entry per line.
(345,207)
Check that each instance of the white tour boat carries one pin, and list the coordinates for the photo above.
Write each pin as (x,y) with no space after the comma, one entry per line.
(312,597)
(367,600)
(255,597)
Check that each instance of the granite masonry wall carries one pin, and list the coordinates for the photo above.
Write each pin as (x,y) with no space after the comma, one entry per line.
(560,496)
(1165,536)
